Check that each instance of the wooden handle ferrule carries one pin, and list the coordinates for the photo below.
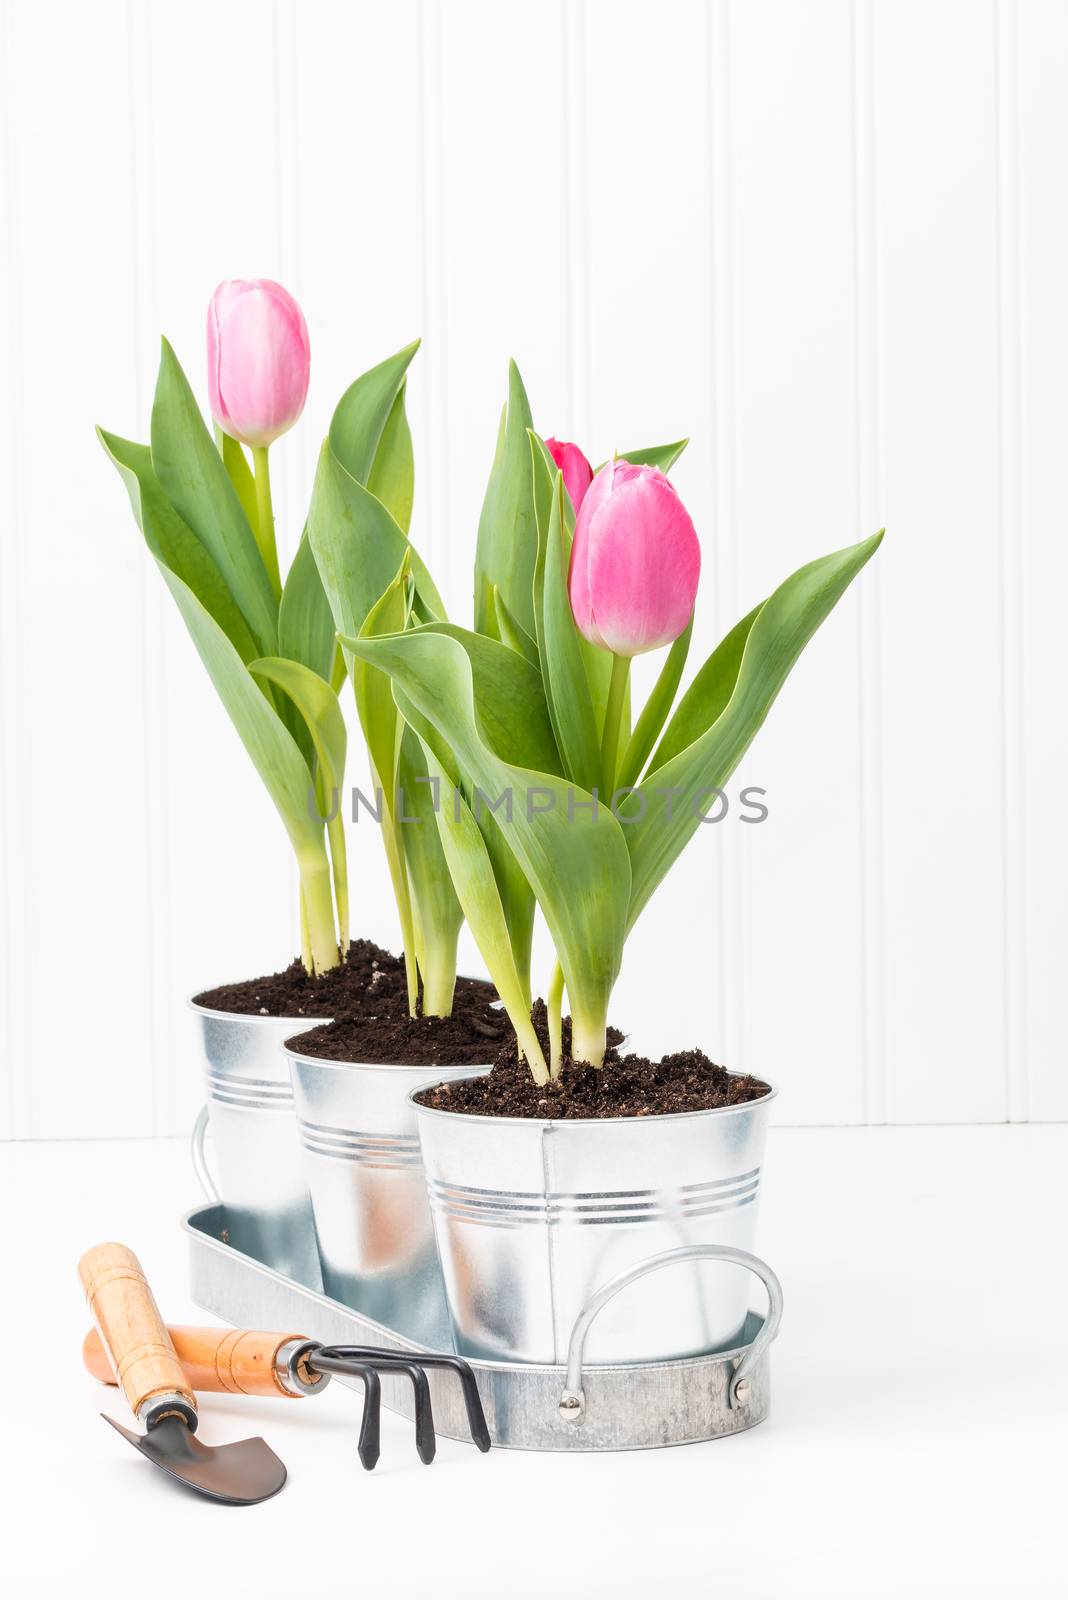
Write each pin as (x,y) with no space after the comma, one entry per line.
(132,1333)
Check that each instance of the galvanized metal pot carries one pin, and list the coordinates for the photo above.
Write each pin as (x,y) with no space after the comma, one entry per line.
(532,1217)
(368,1190)
(257,1167)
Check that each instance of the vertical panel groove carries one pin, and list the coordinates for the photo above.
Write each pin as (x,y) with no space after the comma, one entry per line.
(287,205)
(14,796)
(289,513)
(1010,528)
(724,456)
(138,31)
(868,510)
(580,334)
(436,432)
(938,310)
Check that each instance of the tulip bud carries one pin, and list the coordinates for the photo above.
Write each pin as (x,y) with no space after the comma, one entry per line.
(578,474)
(635,561)
(258,360)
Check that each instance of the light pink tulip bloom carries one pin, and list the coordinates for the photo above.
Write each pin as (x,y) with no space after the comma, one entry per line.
(258,359)
(578,474)
(635,561)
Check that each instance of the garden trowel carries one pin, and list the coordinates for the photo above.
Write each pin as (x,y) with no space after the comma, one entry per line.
(143,1358)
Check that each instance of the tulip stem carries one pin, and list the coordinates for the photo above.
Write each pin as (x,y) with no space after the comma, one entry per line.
(265,517)
(554,1005)
(398,872)
(317,913)
(613,717)
(305,935)
(588,1038)
(437,970)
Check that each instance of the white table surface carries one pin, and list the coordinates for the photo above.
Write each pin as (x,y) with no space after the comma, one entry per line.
(917,1441)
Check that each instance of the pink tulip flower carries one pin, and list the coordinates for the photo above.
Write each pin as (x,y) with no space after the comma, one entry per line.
(578,474)
(635,561)
(258,360)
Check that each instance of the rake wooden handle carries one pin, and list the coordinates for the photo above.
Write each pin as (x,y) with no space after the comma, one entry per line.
(217,1360)
(132,1333)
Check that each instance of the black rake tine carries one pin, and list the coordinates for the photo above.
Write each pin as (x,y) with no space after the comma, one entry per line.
(426,1443)
(395,1362)
(476,1416)
(369,1446)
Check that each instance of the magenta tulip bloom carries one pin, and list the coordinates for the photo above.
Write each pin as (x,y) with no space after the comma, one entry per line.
(258,360)
(578,474)
(635,561)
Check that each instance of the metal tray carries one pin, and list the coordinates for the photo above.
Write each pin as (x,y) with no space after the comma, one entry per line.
(636,1406)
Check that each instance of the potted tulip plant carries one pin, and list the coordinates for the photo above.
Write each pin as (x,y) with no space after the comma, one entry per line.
(204,509)
(548,1175)
(353,1078)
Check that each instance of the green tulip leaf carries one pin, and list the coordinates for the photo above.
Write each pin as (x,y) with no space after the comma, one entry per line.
(240,474)
(512,712)
(392,476)
(517,896)
(707,695)
(472,873)
(270,746)
(663,456)
(382,730)
(358,547)
(379,718)
(598,662)
(509,632)
(572,852)
(543,485)
(173,542)
(305,625)
(197,484)
(507,532)
(512,715)
(655,711)
(513,890)
(363,413)
(436,912)
(486,597)
(277,758)
(319,709)
(661,816)
(566,684)
(338,669)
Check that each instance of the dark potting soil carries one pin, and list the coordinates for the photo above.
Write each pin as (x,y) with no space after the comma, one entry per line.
(474,1034)
(626,1086)
(368,975)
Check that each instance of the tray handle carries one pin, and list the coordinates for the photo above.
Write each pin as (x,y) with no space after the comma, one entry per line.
(573,1399)
(200,1160)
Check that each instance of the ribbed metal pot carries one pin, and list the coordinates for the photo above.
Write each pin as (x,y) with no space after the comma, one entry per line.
(257,1166)
(368,1191)
(532,1217)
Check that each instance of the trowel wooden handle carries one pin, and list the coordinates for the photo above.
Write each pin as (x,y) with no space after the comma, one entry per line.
(132,1333)
(219,1360)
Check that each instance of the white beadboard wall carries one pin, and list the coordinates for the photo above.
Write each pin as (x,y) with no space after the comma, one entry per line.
(829,241)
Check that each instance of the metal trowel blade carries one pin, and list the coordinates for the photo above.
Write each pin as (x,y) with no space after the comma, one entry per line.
(236,1474)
